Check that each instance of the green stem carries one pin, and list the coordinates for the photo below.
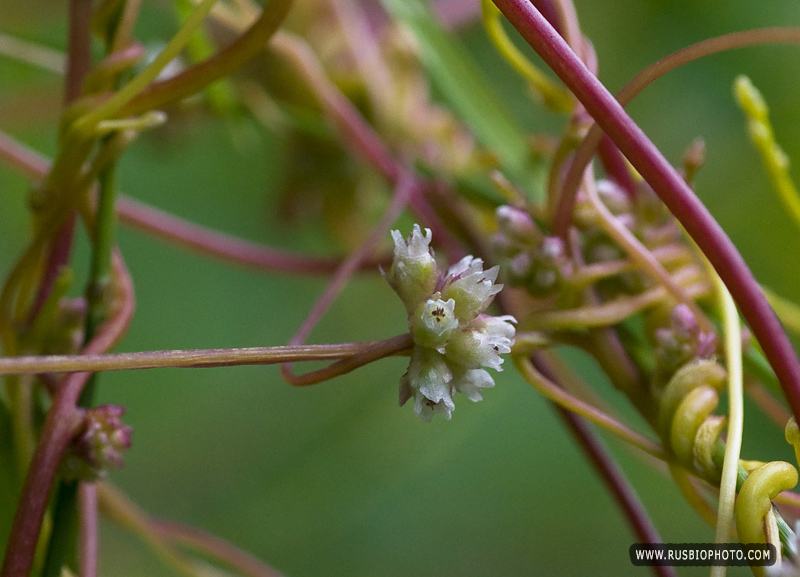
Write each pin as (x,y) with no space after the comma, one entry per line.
(98,289)
(86,124)
(63,540)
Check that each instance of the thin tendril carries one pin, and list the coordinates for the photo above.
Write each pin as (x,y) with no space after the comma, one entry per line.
(733,356)
(562,398)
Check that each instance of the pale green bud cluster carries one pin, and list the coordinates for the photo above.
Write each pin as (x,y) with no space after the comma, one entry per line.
(453,339)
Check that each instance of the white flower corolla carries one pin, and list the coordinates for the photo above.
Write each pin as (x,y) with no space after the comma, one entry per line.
(414,273)
(482,343)
(471,287)
(470,382)
(453,339)
(432,322)
(428,379)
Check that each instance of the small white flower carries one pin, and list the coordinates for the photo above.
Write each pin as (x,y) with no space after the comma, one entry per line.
(470,382)
(482,343)
(471,287)
(426,409)
(417,247)
(428,380)
(433,322)
(413,274)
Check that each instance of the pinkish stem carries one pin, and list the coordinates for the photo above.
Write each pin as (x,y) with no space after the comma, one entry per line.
(213,546)
(218,244)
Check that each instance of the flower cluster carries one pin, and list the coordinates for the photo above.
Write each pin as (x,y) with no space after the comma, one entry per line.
(453,339)
(97,445)
(679,342)
(533,261)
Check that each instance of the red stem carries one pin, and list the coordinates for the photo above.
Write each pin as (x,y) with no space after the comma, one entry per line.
(615,166)
(79,49)
(670,187)
(583,155)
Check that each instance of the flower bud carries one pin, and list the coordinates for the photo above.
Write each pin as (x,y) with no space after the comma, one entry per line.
(97,445)
(414,273)
(545,270)
(517,224)
(682,341)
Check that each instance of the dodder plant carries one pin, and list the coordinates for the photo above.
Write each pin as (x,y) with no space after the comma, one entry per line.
(618,259)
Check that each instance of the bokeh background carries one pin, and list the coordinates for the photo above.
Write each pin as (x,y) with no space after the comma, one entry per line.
(335,480)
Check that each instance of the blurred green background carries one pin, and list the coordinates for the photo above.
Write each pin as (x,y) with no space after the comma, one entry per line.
(335,480)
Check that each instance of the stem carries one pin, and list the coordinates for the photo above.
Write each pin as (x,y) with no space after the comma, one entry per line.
(639,254)
(224,246)
(61,548)
(22,158)
(355,130)
(56,434)
(87,539)
(161,535)
(32,53)
(639,82)
(213,546)
(223,63)
(111,107)
(733,447)
(397,345)
(615,311)
(192,358)
(78,64)
(122,511)
(79,48)
(669,186)
(615,166)
(183,232)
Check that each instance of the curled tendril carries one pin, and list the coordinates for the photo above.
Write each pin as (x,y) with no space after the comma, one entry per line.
(689,377)
(694,409)
(754,503)
(792,434)
(685,419)
(705,444)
